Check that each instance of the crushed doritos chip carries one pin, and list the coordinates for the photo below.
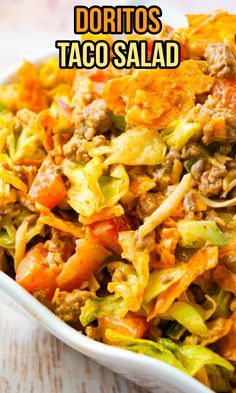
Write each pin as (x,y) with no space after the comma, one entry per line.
(204,29)
(157,97)
(31,93)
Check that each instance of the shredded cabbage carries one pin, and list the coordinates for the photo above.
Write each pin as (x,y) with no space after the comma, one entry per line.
(197,234)
(126,284)
(138,281)
(150,149)
(145,347)
(160,280)
(218,380)
(95,308)
(178,133)
(7,233)
(29,149)
(194,357)
(188,316)
(90,190)
(188,358)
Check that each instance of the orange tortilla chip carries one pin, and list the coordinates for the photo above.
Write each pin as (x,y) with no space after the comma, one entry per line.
(31,94)
(204,29)
(225,278)
(155,98)
(202,260)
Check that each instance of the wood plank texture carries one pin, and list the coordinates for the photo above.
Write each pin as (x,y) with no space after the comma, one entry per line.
(33,361)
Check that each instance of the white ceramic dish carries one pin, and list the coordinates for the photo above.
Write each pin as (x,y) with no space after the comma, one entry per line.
(147,372)
(151,374)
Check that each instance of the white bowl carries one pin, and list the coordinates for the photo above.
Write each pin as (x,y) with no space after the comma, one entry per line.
(150,373)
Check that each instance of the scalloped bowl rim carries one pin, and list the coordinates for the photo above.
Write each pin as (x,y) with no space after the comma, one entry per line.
(113,358)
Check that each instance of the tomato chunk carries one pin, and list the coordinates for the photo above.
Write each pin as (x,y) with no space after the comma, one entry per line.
(35,274)
(106,232)
(131,325)
(80,266)
(224,90)
(48,188)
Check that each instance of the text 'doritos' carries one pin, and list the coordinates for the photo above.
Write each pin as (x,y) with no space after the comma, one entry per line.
(117,20)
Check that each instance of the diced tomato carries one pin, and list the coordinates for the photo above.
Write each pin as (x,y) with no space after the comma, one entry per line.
(80,266)
(224,90)
(106,232)
(48,188)
(99,77)
(131,325)
(35,274)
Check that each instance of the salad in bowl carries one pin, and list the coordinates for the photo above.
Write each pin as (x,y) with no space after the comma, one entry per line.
(118,195)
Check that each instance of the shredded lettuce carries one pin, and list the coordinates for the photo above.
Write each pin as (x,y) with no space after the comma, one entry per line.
(137,147)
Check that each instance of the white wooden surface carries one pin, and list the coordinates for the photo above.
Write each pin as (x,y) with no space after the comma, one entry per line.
(31,360)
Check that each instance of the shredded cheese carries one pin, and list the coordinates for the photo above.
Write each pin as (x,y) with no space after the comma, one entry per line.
(217,204)
(165,209)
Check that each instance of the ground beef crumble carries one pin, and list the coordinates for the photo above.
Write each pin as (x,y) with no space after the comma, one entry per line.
(162,174)
(220,60)
(93,120)
(212,181)
(147,204)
